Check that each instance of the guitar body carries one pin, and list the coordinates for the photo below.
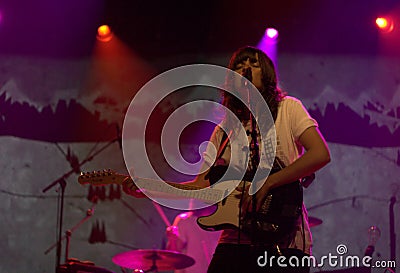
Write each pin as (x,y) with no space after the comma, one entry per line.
(276,218)
(278,215)
(226,216)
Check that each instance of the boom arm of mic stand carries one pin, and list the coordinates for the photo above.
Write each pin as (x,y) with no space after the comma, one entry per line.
(254,154)
(89,213)
(61,181)
(66,175)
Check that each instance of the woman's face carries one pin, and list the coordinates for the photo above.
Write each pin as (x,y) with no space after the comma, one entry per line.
(254,64)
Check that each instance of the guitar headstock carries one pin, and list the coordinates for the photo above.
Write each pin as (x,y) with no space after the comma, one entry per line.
(101,178)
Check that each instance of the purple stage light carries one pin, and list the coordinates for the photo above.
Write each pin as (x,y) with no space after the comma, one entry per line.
(271,33)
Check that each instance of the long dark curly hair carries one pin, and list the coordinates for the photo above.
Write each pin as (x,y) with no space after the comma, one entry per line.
(270,91)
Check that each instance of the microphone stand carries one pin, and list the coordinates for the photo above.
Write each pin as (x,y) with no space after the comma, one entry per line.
(392,233)
(68,233)
(60,208)
(254,153)
(255,160)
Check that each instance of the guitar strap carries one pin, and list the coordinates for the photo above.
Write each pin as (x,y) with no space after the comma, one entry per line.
(224,143)
(217,171)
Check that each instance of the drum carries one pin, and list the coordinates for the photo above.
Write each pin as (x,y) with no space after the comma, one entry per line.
(76,266)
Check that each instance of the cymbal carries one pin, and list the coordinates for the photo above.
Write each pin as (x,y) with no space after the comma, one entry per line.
(313,221)
(153,259)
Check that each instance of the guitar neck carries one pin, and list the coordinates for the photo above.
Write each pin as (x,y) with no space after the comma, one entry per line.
(181,190)
(154,187)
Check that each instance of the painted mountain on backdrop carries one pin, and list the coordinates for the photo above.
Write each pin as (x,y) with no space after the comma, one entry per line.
(361,122)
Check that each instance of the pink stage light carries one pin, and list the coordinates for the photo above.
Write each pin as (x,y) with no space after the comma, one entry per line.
(269,44)
(271,33)
(385,24)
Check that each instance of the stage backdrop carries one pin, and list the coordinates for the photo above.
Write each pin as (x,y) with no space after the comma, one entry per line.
(57,113)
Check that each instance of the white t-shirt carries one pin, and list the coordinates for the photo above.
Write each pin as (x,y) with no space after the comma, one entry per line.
(292,120)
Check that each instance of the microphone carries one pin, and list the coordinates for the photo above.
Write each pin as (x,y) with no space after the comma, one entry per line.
(247,74)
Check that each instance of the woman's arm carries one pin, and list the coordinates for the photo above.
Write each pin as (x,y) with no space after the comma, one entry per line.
(317,155)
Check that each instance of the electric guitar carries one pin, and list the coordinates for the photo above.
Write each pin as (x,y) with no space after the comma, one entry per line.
(276,218)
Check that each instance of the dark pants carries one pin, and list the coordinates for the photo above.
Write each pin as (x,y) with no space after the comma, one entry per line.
(233,258)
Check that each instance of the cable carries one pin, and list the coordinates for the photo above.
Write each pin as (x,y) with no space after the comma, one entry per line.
(25,195)
(347,199)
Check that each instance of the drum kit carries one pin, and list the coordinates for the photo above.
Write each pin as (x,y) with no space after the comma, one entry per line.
(141,260)
(153,260)
(145,260)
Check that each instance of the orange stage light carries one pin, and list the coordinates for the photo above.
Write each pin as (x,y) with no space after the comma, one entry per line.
(104,33)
